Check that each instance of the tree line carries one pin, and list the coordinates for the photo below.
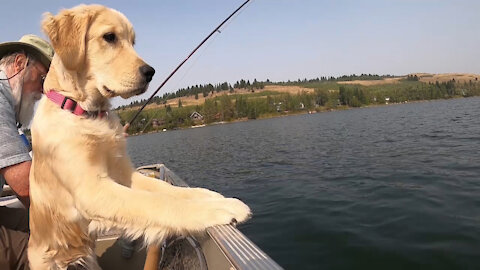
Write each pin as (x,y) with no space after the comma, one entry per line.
(209,89)
(343,78)
(203,90)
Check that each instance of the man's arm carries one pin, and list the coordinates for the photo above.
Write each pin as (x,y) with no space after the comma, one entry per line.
(17,178)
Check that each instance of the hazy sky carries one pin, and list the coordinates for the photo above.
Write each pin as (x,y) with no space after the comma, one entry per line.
(285,39)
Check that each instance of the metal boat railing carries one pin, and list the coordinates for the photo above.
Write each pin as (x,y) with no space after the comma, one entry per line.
(242,253)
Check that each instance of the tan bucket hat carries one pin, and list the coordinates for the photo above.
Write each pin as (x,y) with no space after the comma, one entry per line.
(32,45)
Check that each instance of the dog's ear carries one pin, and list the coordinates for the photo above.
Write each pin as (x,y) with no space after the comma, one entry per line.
(67,32)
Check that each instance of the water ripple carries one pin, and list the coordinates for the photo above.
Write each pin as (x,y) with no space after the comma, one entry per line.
(393,187)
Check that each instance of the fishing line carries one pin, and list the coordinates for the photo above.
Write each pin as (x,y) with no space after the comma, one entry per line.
(194,62)
(181,64)
(204,50)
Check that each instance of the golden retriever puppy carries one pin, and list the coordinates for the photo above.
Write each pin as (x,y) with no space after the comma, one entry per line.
(82,181)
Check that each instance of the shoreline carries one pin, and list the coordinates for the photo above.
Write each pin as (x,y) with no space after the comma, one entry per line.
(342,108)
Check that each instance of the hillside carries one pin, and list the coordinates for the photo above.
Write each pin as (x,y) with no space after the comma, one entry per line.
(269,99)
(190,100)
(423,77)
(445,77)
(292,88)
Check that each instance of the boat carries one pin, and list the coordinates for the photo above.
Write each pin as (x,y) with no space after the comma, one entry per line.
(220,247)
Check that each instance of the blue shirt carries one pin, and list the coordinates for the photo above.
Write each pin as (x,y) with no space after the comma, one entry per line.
(12,149)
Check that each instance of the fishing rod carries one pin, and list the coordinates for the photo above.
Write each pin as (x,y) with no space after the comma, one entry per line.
(127,125)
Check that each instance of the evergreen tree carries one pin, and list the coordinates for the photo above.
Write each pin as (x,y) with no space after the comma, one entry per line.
(227,109)
(209,110)
(321,97)
(241,106)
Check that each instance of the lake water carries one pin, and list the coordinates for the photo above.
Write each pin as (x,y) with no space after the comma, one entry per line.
(391,187)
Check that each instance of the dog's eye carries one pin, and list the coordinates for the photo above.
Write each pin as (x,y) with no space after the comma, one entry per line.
(109,37)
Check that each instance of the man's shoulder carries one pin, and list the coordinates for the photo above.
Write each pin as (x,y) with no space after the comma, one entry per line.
(6,97)
(7,108)
(12,150)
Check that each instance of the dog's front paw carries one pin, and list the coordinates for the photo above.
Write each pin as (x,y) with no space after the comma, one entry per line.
(226,211)
(197,193)
(206,193)
(203,213)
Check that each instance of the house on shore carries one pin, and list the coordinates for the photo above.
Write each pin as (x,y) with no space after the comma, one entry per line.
(196,116)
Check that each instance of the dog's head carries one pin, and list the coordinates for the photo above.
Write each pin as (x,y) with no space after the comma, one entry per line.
(96,43)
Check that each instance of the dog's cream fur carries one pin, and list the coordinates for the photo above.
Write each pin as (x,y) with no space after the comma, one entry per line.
(81,180)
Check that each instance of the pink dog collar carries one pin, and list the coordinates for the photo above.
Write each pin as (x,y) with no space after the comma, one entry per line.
(71,105)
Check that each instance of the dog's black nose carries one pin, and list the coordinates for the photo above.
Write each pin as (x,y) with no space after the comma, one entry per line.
(147,71)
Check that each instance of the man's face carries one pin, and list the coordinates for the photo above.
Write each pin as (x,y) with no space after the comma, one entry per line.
(27,87)
(33,80)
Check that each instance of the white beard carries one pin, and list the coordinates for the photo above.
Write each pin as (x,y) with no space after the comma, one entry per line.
(27,107)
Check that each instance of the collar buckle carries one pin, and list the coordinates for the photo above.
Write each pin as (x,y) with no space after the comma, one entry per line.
(68,104)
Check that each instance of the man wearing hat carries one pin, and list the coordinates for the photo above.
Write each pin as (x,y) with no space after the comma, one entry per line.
(23,67)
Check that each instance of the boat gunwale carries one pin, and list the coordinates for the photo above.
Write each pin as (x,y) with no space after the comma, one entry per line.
(240,251)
